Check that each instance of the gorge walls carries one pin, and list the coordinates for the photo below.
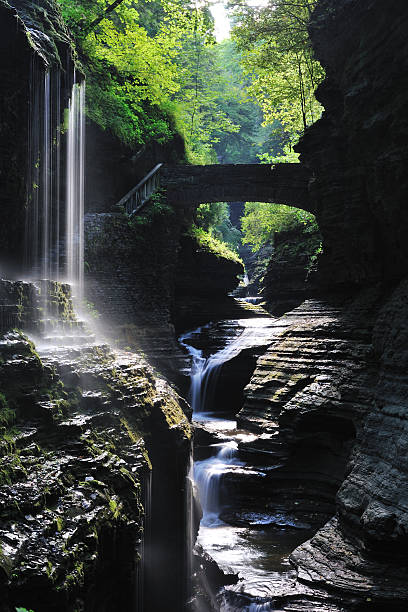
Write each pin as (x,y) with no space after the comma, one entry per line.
(357,151)
(334,383)
(93,443)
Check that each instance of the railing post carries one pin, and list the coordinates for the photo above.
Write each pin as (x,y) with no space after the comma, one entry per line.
(142,193)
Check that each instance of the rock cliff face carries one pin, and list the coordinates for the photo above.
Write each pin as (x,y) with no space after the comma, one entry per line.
(330,393)
(82,430)
(287,278)
(357,151)
(93,444)
(145,277)
(332,384)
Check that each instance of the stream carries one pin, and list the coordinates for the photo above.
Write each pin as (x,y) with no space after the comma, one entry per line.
(255,548)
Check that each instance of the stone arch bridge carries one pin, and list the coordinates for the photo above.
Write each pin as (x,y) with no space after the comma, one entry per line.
(279,184)
(193,185)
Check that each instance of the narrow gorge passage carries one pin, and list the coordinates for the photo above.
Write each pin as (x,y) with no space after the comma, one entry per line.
(250,543)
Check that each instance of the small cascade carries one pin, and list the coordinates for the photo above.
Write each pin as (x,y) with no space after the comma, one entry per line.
(205,371)
(208,474)
(237,537)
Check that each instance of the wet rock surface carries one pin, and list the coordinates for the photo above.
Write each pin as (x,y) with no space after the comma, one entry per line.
(82,429)
(331,385)
(33,37)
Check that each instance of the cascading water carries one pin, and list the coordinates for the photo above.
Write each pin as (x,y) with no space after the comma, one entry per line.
(75,190)
(204,374)
(236,536)
(44,186)
(54,219)
(208,474)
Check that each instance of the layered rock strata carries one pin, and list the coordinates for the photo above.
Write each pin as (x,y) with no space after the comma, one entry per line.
(86,441)
(330,385)
(357,151)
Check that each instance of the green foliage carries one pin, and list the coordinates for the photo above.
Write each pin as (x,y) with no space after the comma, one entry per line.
(207,242)
(153,69)
(129,60)
(7,414)
(278,57)
(157,206)
(288,156)
(215,220)
(262,221)
(242,145)
(201,118)
(23,610)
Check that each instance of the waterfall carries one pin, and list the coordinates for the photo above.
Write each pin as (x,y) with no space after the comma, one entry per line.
(203,379)
(54,240)
(75,190)
(207,475)
(44,188)
(204,372)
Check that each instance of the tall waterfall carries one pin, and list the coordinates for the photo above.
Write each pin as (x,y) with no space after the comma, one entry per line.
(75,189)
(55,203)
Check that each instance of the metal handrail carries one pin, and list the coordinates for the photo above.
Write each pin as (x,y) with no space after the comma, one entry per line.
(137,197)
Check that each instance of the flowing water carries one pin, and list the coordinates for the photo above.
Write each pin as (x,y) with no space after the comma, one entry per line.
(257,555)
(54,241)
(204,374)
(74,234)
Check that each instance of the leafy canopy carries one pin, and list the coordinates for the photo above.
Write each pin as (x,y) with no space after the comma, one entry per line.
(261,221)
(278,59)
(130,57)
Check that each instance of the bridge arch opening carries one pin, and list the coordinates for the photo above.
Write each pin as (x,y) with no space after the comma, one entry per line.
(278,244)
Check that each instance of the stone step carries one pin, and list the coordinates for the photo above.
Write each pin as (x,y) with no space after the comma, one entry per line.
(67,339)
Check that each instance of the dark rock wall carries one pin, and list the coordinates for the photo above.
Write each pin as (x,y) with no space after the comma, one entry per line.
(130,279)
(93,445)
(332,389)
(113,169)
(204,273)
(14,100)
(32,38)
(147,279)
(357,151)
(287,278)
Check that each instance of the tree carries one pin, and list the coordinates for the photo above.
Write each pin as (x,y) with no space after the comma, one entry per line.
(278,58)
(262,221)
(129,51)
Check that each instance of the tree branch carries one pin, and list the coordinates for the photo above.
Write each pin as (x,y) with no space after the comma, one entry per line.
(106,12)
